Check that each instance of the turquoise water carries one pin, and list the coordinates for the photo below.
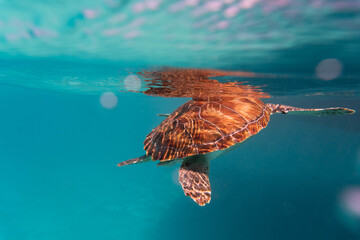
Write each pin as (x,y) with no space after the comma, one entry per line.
(61,138)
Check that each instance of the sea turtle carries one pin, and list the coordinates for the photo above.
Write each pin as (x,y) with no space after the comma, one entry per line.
(206,127)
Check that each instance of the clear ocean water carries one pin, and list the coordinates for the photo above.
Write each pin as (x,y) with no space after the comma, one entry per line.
(69,114)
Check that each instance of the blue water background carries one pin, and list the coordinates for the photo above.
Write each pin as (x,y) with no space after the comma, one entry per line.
(59,146)
(59,178)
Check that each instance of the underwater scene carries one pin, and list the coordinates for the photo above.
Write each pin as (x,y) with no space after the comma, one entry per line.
(127,119)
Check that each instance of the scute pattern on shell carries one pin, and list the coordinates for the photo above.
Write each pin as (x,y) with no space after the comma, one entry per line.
(205,125)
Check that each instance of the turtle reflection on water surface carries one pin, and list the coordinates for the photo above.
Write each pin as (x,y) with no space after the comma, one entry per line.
(217,119)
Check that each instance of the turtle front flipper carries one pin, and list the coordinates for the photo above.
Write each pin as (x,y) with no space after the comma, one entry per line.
(194,179)
(278,108)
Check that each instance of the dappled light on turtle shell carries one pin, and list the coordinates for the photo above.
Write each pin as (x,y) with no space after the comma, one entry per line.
(197,83)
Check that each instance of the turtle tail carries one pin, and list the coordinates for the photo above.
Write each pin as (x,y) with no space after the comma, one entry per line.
(278,108)
(141,159)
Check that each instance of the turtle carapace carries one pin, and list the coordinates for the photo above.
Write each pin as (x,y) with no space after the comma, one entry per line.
(208,125)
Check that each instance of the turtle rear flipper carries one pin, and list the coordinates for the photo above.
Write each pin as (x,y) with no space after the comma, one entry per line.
(194,179)
(324,111)
(278,108)
(141,159)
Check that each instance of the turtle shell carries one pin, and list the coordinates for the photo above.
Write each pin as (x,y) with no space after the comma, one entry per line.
(202,126)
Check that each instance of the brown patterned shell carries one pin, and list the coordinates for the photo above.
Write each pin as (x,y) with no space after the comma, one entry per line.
(205,125)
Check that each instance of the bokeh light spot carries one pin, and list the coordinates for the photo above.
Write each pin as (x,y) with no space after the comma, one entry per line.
(349,208)
(132,34)
(90,13)
(132,83)
(223,24)
(351,200)
(108,100)
(231,11)
(329,69)
(175,177)
(191,2)
(213,6)
(138,7)
(153,4)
